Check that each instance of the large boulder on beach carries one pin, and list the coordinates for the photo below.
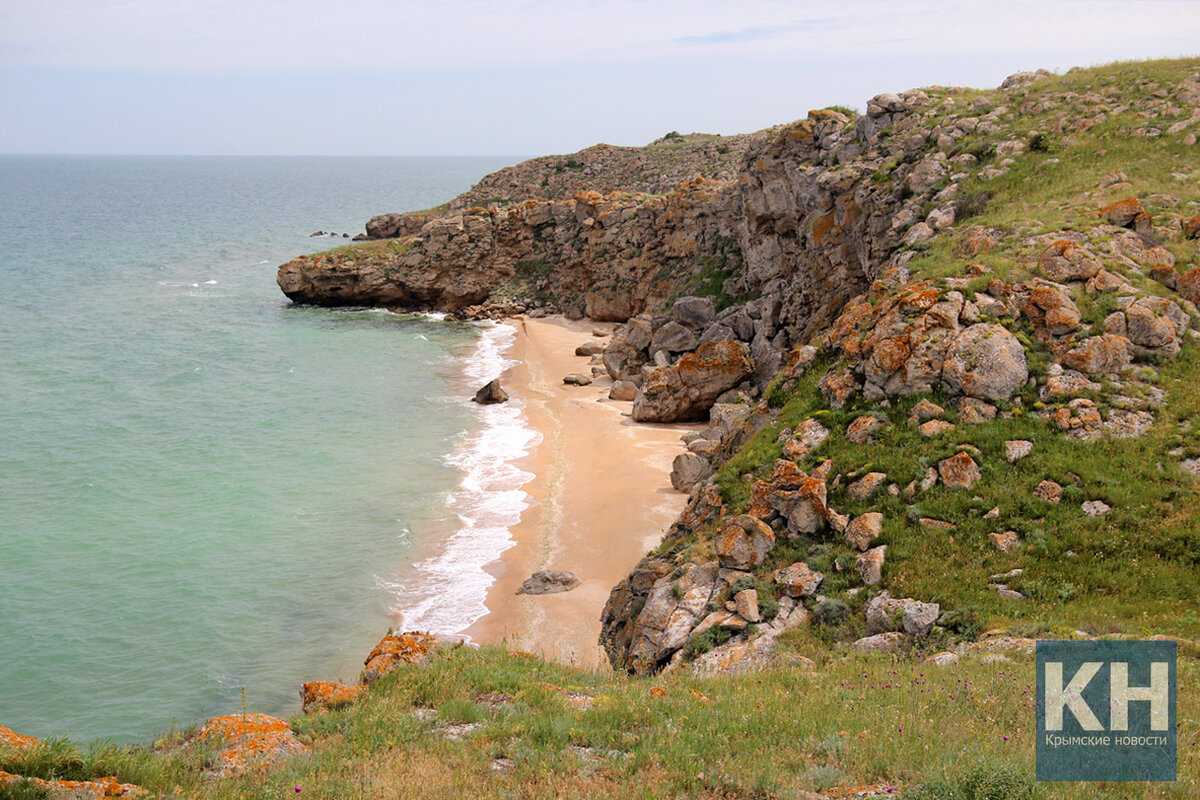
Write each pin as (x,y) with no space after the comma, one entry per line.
(685,391)
(491,393)
(687,470)
(549,582)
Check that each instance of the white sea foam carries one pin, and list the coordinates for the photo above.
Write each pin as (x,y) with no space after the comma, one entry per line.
(446,592)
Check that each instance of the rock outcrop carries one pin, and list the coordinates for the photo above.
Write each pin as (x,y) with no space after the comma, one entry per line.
(687,390)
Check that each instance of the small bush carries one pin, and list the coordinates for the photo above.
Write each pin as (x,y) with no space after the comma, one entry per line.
(830,612)
(1043,143)
(997,783)
(700,644)
(971,204)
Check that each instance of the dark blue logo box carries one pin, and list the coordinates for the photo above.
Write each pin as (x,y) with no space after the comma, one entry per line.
(1106,711)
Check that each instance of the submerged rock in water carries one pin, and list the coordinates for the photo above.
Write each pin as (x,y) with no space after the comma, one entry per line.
(549,582)
(492,393)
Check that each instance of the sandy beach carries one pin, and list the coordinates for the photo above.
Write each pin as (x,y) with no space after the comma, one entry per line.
(602,497)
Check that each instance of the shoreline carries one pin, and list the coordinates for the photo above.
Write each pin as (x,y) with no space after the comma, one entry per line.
(599,499)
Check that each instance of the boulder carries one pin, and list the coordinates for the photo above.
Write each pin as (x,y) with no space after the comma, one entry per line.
(16,741)
(1004,542)
(985,361)
(320,696)
(867,485)
(861,429)
(674,338)
(799,580)
(491,393)
(395,649)
(1188,285)
(1100,355)
(808,436)
(864,529)
(1016,449)
(744,543)
(1067,261)
(247,740)
(687,390)
(869,565)
(959,471)
(623,390)
(694,312)
(935,427)
(886,613)
(687,470)
(801,502)
(880,643)
(549,582)
(925,410)
(1123,213)
(622,360)
(590,349)
(1048,492)
(577,379)
(746,605)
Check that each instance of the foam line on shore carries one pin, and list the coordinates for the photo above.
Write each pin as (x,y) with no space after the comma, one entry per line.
(446,592)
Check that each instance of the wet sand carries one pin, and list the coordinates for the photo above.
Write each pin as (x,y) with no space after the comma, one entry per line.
(602,498)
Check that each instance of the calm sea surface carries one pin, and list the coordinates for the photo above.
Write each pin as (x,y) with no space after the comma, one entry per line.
(203,490)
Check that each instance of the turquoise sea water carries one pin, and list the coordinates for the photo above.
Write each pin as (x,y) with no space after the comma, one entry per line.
(203,488)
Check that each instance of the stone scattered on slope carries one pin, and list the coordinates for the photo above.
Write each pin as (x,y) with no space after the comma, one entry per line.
(321,696)
(248,740)
(1016,449)
(959,471)
(396,649)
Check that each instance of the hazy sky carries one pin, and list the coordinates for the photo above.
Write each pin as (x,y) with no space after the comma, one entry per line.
(521,77)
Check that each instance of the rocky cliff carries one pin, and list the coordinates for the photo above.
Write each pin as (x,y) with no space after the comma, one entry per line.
(944,346)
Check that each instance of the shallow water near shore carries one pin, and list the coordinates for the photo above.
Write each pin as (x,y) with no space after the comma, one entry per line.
(203,490)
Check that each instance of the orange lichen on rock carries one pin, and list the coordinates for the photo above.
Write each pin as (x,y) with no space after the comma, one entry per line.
(1123,212)
(1188,285)
(1191,227)
(396,649)
(822,225)
(959,471)
(17,741)
(99,788)
(248,739)
(326,695)
(1065,260)
(787,474)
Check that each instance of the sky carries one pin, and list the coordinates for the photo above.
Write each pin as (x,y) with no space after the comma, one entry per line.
(511,77)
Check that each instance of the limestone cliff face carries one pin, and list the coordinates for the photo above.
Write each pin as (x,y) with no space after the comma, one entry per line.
(609,256)
(801,218)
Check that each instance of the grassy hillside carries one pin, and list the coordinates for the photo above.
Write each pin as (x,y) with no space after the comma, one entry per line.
(486,723)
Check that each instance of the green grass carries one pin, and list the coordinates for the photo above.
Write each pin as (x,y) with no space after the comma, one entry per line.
(851,721)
